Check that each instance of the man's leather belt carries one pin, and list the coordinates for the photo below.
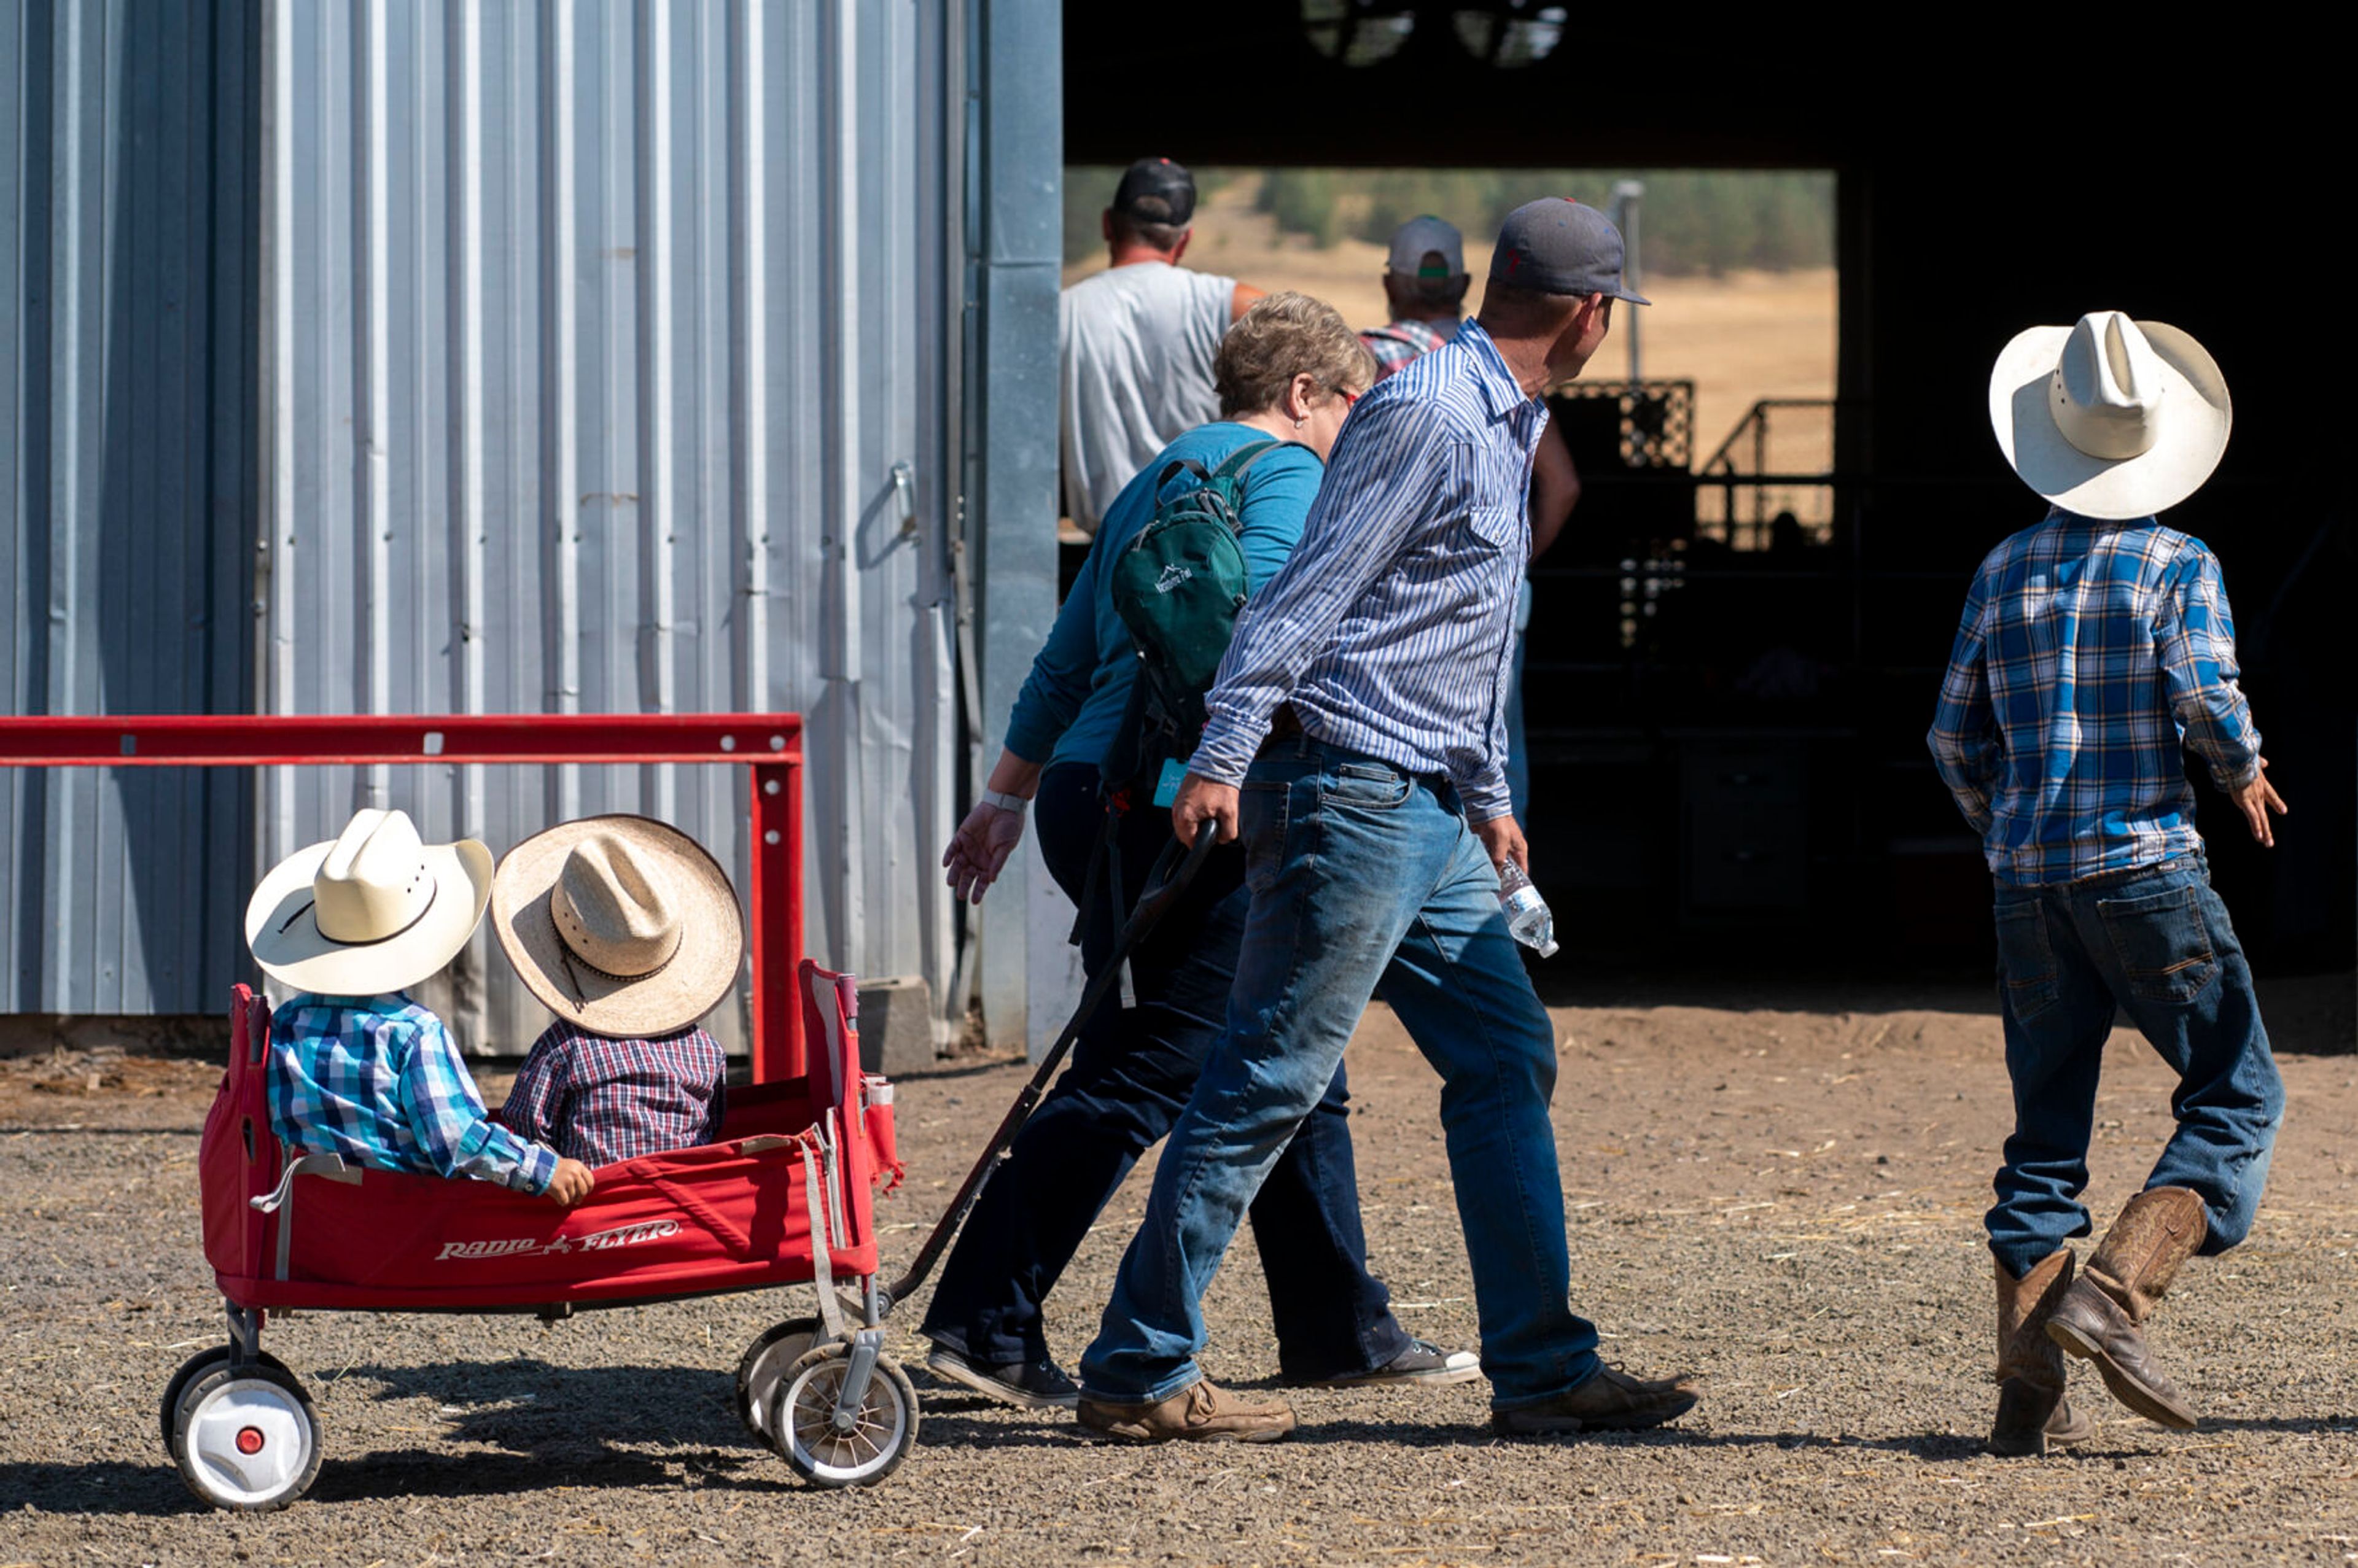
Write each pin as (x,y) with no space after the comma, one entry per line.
(1283,725)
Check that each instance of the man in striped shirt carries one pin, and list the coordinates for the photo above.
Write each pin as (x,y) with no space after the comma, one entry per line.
(1355,744)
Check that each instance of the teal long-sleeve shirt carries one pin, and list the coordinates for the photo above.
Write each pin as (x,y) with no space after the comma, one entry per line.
(1072,703)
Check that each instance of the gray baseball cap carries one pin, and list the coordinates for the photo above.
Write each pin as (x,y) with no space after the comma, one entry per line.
(1558,246)
(1429,249)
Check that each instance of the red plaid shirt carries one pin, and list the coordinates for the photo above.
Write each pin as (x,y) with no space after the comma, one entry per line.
(1397,343)
(599,1099)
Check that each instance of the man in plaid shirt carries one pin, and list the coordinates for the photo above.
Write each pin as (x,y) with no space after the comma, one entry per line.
(1425,283)
(2095,651)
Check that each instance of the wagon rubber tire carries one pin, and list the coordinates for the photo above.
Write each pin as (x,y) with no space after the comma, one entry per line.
(187,1373)
(247,1439)
(764,1366)
(801,1412)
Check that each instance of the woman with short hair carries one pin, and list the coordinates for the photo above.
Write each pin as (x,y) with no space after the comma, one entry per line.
(1288,371)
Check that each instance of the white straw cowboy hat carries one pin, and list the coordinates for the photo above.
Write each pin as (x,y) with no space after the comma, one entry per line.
(373,910)
(621,925)
(2110,418)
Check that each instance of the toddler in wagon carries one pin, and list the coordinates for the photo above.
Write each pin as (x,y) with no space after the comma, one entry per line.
(356,1067)
(629,932)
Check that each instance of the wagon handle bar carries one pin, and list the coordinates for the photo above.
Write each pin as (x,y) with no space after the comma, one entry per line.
(1172,872)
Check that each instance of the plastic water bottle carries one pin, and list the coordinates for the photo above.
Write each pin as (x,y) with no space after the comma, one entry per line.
(1527,917)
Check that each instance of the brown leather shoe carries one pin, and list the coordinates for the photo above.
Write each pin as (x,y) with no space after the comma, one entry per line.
(1611,1401)
(1200,1413)
(2032,1410)
(2100,1316)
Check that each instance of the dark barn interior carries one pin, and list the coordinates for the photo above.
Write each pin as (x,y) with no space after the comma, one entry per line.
(1680,824)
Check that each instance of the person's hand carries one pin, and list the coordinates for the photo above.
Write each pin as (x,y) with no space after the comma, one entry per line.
(2256,800)
(979,849)
(1201,801)
(1503,837)
(570,1184)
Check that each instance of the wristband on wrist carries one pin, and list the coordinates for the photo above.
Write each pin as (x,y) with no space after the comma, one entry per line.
(1004,801)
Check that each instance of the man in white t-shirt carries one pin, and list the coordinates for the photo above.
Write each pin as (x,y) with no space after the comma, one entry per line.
(1135,343)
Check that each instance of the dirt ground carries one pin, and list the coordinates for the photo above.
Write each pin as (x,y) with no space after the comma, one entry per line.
(1782,1194)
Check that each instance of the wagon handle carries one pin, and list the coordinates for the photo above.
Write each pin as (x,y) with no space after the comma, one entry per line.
(1173,870)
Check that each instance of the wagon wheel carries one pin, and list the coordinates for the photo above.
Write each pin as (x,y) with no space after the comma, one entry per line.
(190,1368)
(245,1439)
(862,1450)
(765,1363)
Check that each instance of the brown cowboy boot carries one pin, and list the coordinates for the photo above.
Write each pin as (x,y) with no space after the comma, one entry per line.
(2099,1318)
(2032,1410)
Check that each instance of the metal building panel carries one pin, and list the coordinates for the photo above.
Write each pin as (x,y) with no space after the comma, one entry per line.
(603,374)
(122,486)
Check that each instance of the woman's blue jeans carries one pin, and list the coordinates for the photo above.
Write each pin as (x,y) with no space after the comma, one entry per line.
(1363,878)
(1130,1071)
(2156,943)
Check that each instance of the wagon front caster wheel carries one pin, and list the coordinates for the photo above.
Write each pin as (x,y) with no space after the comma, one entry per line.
(201,1362)
(245,1439)
(852,1448)
(765,1362)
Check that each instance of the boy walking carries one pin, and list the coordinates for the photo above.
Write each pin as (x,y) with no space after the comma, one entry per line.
(2094,650)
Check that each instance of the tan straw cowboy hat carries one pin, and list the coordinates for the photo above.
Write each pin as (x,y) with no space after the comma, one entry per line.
(2110,418)
(372,911)
(621,925)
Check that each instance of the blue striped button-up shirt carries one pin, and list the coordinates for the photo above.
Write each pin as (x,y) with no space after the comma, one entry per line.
(1391,628)
(2091,657)
(378,1080)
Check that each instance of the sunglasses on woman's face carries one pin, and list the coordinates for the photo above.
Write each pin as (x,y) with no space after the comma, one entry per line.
(1348,396)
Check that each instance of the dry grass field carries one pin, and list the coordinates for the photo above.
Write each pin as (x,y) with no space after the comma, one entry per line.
(1738,338)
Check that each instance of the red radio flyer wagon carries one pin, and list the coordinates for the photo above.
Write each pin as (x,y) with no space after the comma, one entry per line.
(783,1199)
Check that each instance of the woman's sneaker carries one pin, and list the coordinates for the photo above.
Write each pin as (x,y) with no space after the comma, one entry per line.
(1028,1385)
(1422,1362)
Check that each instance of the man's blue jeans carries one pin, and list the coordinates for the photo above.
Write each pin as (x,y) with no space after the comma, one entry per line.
(2155,942)
(1362,878)
(1129,1074)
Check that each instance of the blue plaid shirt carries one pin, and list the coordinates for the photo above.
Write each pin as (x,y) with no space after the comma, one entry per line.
(1391,627)
(2091,656)
(378,1080)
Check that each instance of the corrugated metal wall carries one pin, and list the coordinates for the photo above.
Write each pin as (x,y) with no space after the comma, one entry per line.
(603,374)
(125,440)
(565,356)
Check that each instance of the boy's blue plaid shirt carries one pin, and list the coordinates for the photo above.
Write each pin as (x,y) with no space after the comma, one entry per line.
(2090,656)
(378,1080)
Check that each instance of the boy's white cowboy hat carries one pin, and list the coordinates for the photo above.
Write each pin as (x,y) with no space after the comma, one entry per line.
(373,910)
(2109,418)
(621,925)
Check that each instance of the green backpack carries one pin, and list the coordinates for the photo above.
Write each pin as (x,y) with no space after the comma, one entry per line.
(1179,587)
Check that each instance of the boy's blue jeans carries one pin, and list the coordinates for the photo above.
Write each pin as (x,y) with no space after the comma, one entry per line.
(1362,878)
(2155,942)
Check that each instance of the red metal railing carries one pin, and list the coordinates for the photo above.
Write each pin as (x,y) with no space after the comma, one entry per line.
(769,745)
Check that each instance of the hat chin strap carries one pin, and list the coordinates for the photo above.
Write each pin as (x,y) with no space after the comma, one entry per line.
(565,951)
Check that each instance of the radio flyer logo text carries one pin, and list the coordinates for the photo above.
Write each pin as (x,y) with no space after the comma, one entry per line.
(531,1246)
